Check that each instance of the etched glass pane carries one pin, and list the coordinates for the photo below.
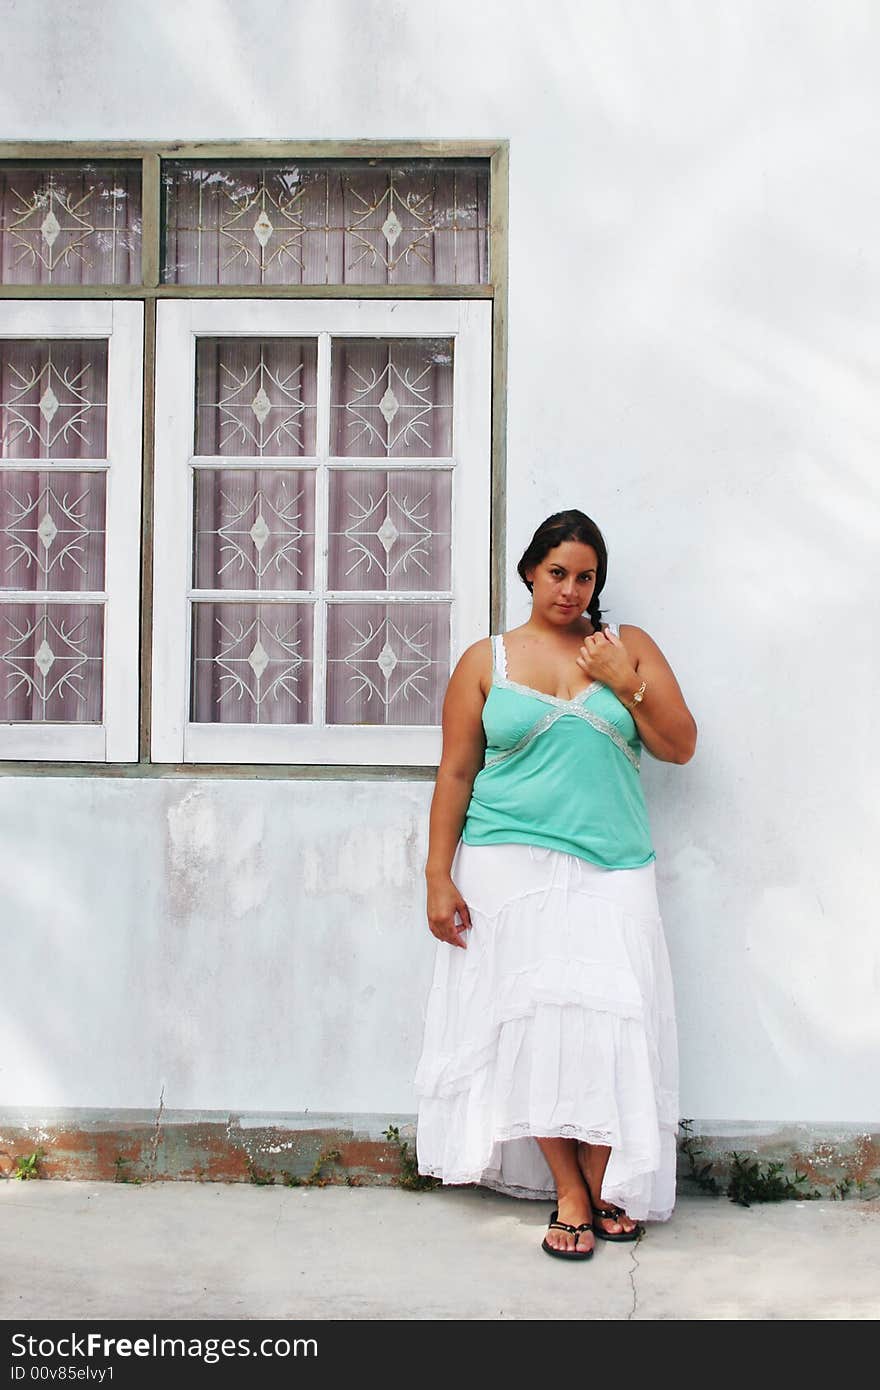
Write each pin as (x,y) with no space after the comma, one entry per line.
(387,663)
(390,530)
(256,396)
(410,225)
(391,398)
(339,223)
(254,530)
(53,398)
(252,663)
(51,658)
(70,224)
(51,530)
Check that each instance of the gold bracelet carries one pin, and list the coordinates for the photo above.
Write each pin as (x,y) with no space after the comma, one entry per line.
(639,696)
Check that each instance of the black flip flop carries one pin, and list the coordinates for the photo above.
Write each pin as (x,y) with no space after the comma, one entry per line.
(613,1213)
(572,1230)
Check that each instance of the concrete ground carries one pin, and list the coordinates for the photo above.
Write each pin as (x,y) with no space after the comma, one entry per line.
(190,1250)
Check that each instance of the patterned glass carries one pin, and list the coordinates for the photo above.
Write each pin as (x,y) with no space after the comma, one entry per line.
(70,224)
(256,396)
(390,530)
(387,662)
(338,223)
(391,398)
(53,412)
(51,658)
(385,530)
(52,530)
(252,663)
(53,398)
(254,530)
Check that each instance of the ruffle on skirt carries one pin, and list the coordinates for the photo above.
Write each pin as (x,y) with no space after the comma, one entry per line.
(559,1021)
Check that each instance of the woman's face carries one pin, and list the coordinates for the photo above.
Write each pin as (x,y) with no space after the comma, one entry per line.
(563,582)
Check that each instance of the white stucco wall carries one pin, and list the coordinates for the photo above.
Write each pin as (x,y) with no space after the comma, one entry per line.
(251,945)
(695,223)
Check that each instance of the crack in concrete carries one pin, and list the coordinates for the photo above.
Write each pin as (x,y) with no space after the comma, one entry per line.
(632,1279)
(278,1221)
(157,1134)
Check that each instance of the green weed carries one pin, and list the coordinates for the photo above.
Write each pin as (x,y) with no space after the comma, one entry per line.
(410,1177)
(699,1173)
(748,1183)
(120,1165)
(316,1177)
(260,1177)
(27,1166)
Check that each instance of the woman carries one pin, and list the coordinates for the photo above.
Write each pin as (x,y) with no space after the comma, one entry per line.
(549,1063)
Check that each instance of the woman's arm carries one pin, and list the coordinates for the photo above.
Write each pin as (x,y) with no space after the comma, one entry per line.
(665,724)
(464,745)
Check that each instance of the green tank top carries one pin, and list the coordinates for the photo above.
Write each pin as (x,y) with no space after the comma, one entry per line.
(559,773)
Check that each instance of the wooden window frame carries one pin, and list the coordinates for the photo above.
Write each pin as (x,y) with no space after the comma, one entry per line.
(151,154)
(115,738)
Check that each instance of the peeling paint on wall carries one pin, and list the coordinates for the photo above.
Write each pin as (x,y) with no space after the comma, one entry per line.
(194,847)
(208,1147)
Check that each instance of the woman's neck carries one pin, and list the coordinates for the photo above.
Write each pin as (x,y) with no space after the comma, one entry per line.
(579,628)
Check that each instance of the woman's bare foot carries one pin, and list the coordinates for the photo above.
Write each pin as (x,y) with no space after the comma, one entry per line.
(593,1174)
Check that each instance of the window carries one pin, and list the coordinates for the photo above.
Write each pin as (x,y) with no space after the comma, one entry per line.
(70,224)
(316,341)
(322,479)
(70,456)
(320,222)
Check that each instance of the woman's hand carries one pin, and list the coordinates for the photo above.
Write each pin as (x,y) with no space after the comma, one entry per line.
(603,657)
(444,904)
(665,724)
(464,743)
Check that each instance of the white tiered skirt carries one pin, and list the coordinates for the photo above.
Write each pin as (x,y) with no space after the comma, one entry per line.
(559,1021)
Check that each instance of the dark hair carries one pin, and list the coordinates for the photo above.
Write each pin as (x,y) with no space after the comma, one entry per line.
(571,525)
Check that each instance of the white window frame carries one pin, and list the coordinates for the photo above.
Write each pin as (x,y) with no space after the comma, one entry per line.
(174,738)
(114,740)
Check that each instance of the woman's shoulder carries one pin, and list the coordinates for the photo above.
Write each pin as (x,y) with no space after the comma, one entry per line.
(477,656)
(477,651)
(476,663)
(640,645)
(628,630)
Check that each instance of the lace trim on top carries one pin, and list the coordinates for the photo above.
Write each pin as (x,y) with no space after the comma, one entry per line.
(506,684)
(500,676)
(602,726)
(500,663)
(574,706)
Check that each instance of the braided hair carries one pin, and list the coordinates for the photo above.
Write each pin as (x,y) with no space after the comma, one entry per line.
(570,525)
